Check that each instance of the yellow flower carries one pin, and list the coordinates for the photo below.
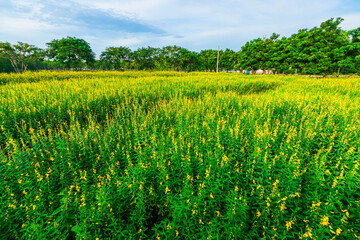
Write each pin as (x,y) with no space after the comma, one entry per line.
(288,225)
(211,195)
(324,221)
(338,231)
(258,214)
(276,183)
(308,234)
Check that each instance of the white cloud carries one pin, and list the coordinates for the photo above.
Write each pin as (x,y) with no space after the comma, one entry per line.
(129,40)
(220,22)
(200,24)
(23,29)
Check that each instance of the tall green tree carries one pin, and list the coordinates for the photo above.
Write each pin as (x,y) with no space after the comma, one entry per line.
(319,50)
(279,55)
(325,49)
(208,59)
(176,58)
(117,57)
(145,58)
(227,59)
(189,61)
(71,52)
(252,55)
(169,57)
(20,55)
(351,60)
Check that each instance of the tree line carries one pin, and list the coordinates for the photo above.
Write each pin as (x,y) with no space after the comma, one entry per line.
(326,49)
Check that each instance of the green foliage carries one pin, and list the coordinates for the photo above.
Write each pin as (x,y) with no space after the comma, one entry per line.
(116,58)
(71,52)
(176,58)
(228,59)
(208,58)
(20,55)
(321,50)
(145,58)
(167,155)
(5,66)
(326,49)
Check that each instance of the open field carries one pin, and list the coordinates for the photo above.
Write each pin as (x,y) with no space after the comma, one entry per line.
(168,155)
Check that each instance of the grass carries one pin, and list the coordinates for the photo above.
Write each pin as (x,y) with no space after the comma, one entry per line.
(168,155)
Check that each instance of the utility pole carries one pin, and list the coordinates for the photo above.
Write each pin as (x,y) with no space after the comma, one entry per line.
(217,62)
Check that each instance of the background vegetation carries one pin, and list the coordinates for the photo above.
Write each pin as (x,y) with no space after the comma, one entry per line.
(321,50)
(166,155)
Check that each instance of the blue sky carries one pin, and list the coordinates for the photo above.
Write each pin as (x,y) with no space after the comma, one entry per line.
(192,24)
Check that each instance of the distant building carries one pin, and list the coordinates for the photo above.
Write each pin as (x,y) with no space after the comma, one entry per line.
(269,71)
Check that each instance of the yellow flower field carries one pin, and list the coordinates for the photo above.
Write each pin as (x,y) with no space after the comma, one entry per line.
(169,155)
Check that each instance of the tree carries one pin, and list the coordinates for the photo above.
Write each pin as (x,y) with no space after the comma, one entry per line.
(145,58)
(188,60)
(279,55)
(208,59)
(116,57)
(5,66)
(321,50)
(176,58)
(168,58)
(228,59)
(351,61)
(253,56)
(71,52)
(20,55)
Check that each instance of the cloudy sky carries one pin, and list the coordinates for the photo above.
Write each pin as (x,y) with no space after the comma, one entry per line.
(193,24)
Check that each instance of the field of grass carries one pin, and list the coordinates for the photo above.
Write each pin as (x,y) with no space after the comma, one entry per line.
(167,155)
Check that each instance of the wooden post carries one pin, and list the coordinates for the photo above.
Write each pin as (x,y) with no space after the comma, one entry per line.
(217,61)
